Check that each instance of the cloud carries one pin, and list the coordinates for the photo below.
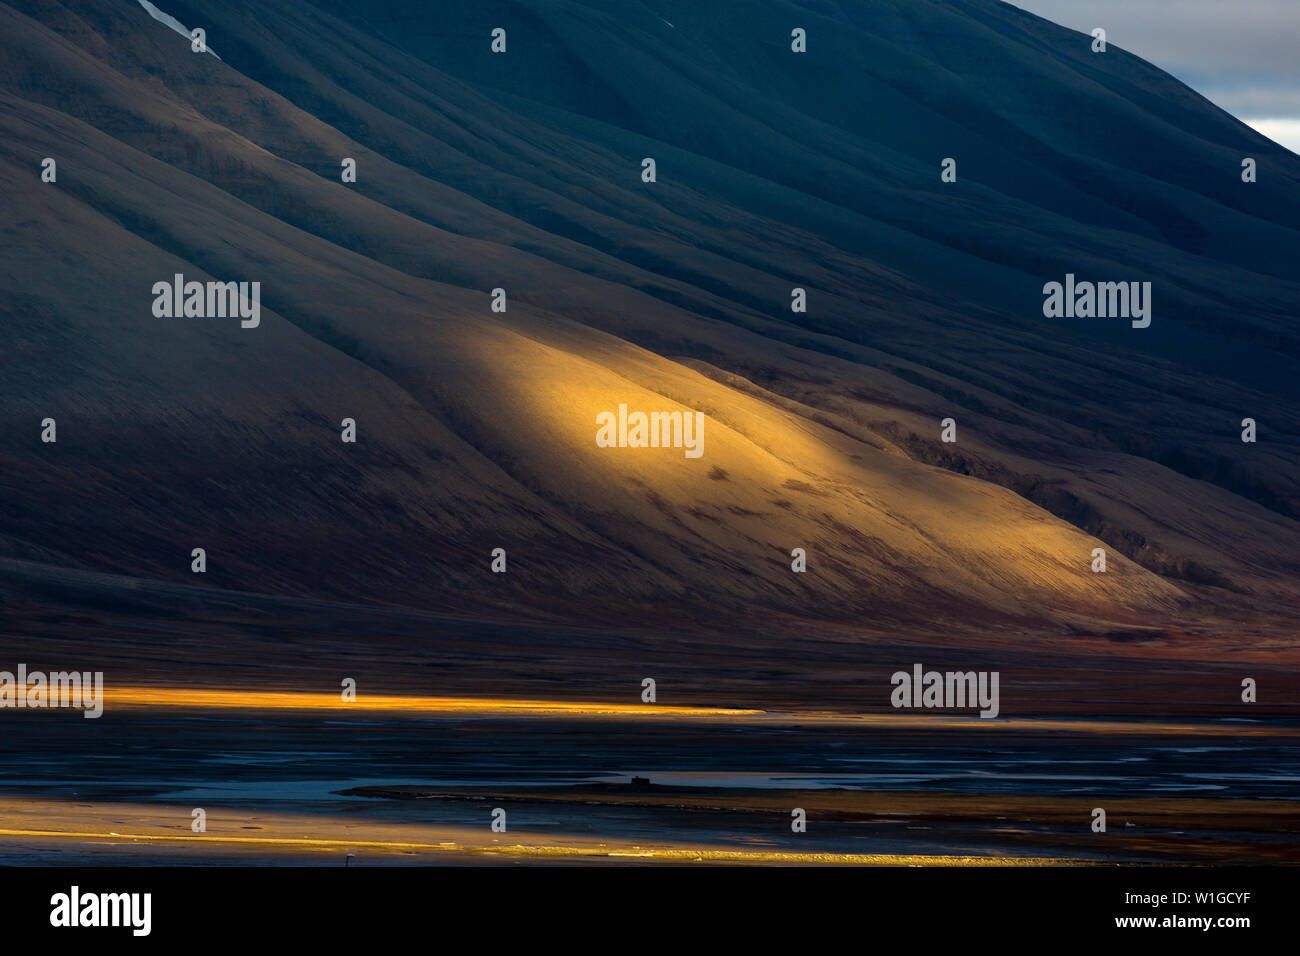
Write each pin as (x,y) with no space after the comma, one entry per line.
(1240,54)
(1283,131)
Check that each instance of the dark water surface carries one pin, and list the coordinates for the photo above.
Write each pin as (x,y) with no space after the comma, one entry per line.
(295,756)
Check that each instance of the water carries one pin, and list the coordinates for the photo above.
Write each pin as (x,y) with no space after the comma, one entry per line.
(297,756)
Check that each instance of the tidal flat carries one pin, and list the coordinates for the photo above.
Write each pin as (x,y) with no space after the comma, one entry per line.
(298,783)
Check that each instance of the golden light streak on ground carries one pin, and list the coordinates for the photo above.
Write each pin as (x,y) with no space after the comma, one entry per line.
(182,697)
(519,850)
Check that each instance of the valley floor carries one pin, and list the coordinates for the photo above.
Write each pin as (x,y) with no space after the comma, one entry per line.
(292,779)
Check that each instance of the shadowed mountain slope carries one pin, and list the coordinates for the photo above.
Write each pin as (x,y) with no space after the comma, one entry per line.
(522,171)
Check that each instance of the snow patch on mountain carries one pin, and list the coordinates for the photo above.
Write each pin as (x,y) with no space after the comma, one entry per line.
(169,20)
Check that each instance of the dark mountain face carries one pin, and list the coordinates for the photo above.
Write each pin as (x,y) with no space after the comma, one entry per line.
(523,171)
(1052,140)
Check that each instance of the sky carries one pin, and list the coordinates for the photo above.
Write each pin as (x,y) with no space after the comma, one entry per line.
(1242,55)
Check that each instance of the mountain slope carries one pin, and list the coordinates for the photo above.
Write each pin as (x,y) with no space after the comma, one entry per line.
(522,171)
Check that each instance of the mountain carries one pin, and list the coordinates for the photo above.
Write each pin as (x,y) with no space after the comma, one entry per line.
(523,171)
